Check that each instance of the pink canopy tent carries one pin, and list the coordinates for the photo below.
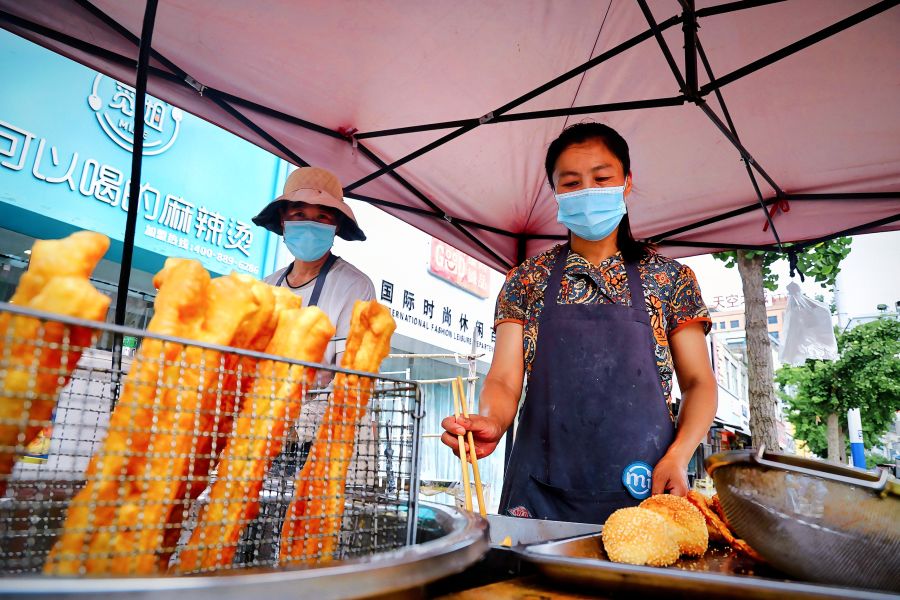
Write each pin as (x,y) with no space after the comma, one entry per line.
(739,114)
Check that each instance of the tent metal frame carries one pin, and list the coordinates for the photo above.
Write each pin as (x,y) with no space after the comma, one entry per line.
(690,92)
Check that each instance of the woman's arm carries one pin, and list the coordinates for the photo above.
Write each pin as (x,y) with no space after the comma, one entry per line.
(499,396)
(698,408)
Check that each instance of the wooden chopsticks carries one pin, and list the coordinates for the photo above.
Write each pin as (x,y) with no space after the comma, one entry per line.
(460,405)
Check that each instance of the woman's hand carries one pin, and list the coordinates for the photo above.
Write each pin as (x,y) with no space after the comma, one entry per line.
(499,397)
(486,432)
(670,475)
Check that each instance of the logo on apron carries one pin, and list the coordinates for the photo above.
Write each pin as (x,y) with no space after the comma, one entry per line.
(637,478)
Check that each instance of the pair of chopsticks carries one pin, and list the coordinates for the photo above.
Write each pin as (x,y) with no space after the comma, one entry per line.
(459,405)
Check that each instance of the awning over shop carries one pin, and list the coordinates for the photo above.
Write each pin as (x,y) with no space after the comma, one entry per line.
(751,123)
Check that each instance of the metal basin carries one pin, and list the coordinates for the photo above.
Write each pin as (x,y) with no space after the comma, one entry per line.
(448,541)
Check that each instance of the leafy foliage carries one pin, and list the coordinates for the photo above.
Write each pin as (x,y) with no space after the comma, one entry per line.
(867,376)
(821,261)
(875,458)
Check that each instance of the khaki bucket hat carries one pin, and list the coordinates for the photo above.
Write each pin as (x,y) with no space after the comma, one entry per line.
(313,186)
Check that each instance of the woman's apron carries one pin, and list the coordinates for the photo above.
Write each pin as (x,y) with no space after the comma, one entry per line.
(594,421)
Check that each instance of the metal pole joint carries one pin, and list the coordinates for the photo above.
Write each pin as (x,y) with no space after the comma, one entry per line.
(690,26)
(195,84)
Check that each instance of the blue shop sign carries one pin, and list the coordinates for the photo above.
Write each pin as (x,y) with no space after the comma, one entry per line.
(66,136)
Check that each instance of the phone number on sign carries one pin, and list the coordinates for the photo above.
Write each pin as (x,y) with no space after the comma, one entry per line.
(160,234)
(224,258)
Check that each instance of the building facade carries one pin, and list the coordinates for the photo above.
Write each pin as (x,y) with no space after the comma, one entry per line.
(66,134)
(730,321)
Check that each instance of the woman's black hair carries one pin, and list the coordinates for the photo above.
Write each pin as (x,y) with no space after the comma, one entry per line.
(580,133)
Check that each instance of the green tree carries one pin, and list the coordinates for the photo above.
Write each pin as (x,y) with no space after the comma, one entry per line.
(867,376)
(821,262)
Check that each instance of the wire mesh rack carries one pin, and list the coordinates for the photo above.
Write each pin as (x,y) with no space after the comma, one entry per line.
(193,458)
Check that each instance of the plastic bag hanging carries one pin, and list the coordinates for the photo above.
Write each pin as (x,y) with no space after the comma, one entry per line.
(808,330)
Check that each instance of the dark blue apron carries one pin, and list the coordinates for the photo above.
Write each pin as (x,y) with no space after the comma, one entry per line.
(320,279)
(594,406)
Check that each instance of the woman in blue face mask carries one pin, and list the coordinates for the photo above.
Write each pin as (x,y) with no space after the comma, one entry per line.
(596,327)
(309,214)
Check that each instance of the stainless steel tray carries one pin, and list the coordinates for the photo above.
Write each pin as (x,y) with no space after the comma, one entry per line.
(721,573)
(531,531)
(451,541)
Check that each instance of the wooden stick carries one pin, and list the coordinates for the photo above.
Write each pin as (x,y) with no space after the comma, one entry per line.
(478,488)
(462,450)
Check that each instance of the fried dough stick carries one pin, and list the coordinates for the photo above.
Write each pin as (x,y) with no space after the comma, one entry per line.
(272,405)
(75,256)
(319,495)
(32,368)
(718,528)
(179,308)
(254,334)
(186,416)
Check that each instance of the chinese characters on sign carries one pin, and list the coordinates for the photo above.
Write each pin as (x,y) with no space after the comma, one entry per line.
(168,218)
(458,330)
(458,268)
(733,301)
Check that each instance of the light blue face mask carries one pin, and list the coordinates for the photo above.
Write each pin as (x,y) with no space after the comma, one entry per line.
(308,240)
(592,213)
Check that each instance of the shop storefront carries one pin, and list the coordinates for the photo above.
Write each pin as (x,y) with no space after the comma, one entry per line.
(66,134)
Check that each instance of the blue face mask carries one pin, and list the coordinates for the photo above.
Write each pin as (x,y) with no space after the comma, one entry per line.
(592,213)
(308,240)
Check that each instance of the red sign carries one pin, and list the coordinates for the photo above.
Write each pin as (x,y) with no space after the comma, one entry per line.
(458,268)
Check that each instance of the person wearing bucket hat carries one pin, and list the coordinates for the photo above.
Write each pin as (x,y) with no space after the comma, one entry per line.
(309,214)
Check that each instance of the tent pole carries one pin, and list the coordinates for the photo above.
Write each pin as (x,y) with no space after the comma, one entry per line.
(123,31)
(428,213)
(794,247)
(68,40)
(825,197)
(718,245)
(846,196)
(612,52)
(689,26)
(536,114)
(720,9)
(721,100)
(521,252)
(799,45)
(430,203)
(658,238)
(850,231)
(745,154)
(258,130)
(180,76)
(134,192)
(692,44)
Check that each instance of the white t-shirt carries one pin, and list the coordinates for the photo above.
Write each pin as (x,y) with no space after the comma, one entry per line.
(344,285)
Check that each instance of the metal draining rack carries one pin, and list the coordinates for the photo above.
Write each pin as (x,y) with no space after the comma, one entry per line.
(153,497)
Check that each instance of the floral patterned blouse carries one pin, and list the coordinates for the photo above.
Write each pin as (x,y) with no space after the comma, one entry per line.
(671,294)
